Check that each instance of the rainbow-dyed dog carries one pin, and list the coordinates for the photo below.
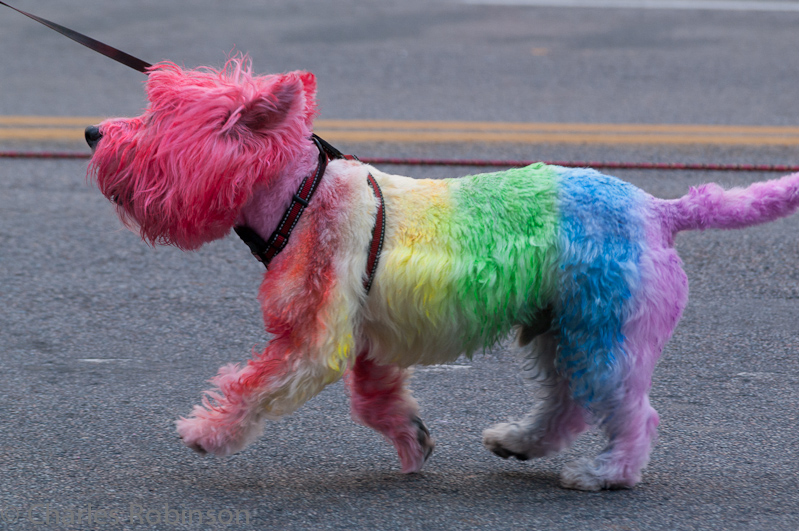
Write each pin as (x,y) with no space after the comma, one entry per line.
(580,266)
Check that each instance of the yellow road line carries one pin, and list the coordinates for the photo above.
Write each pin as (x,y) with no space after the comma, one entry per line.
(70,128)
(553,127)
(50,121)
(424,137)
(50,133)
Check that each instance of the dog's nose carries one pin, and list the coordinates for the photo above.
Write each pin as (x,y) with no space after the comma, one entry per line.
(93,136)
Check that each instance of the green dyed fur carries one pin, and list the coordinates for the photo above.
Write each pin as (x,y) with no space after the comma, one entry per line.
(504,226)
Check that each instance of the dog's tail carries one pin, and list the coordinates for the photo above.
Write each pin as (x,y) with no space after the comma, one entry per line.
(711,207)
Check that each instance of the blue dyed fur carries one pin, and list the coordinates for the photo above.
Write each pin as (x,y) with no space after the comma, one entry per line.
(600,244)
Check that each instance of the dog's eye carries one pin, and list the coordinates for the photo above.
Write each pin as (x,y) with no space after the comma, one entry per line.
(120,200)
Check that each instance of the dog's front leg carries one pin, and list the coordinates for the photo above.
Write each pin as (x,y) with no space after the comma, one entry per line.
(271,385)
(382,401)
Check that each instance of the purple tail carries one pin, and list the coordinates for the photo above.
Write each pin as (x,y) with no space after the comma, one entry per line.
(711,207)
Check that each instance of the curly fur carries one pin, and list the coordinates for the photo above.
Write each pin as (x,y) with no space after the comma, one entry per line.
(579,263)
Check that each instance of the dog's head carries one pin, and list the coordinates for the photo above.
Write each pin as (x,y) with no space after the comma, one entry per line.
(181,171)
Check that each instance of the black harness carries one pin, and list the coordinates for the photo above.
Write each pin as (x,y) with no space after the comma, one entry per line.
(265,250)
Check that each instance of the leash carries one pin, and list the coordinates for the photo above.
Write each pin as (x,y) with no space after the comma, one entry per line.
(109,51)
(263,250)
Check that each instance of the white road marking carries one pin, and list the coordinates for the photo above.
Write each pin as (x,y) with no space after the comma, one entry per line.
(711,5)
(442,368)
(102,360)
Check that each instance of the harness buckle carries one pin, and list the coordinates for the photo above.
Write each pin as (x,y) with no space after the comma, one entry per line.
(300,200)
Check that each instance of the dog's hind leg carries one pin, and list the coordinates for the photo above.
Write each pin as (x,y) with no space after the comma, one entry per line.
(382,401)
(628,419)
(631,428)
(555,422)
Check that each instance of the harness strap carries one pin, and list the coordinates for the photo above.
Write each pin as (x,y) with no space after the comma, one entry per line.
(379,230)
(378,235)
(265,250)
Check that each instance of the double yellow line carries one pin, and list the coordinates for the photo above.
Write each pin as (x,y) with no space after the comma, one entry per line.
(70,128)
(44,128)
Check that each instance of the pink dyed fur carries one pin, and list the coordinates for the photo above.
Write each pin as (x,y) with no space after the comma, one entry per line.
(225,421)
(381,401)
(265,122)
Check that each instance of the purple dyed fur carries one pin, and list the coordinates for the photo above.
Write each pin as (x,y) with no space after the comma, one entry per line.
(710,207)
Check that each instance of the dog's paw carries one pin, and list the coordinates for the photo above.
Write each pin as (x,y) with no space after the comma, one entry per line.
(581,475)
(204,437)
(193,445)
(504,440)
(426,442)
(414,446)
(194,433)
(209,431)
(587,474)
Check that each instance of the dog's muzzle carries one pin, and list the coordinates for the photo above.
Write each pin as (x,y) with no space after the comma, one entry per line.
(93,136)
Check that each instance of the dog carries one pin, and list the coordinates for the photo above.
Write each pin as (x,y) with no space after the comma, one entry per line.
(578,265)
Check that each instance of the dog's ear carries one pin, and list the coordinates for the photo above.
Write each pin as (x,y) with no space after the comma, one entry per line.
(282,101)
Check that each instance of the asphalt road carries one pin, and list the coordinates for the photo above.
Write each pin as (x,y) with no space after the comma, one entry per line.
(104,341)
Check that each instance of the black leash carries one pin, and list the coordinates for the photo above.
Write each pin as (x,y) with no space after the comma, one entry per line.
(109,51)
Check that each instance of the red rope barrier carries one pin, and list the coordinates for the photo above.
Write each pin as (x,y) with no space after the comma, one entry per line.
(43,155)
(783,168)
(589,164)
